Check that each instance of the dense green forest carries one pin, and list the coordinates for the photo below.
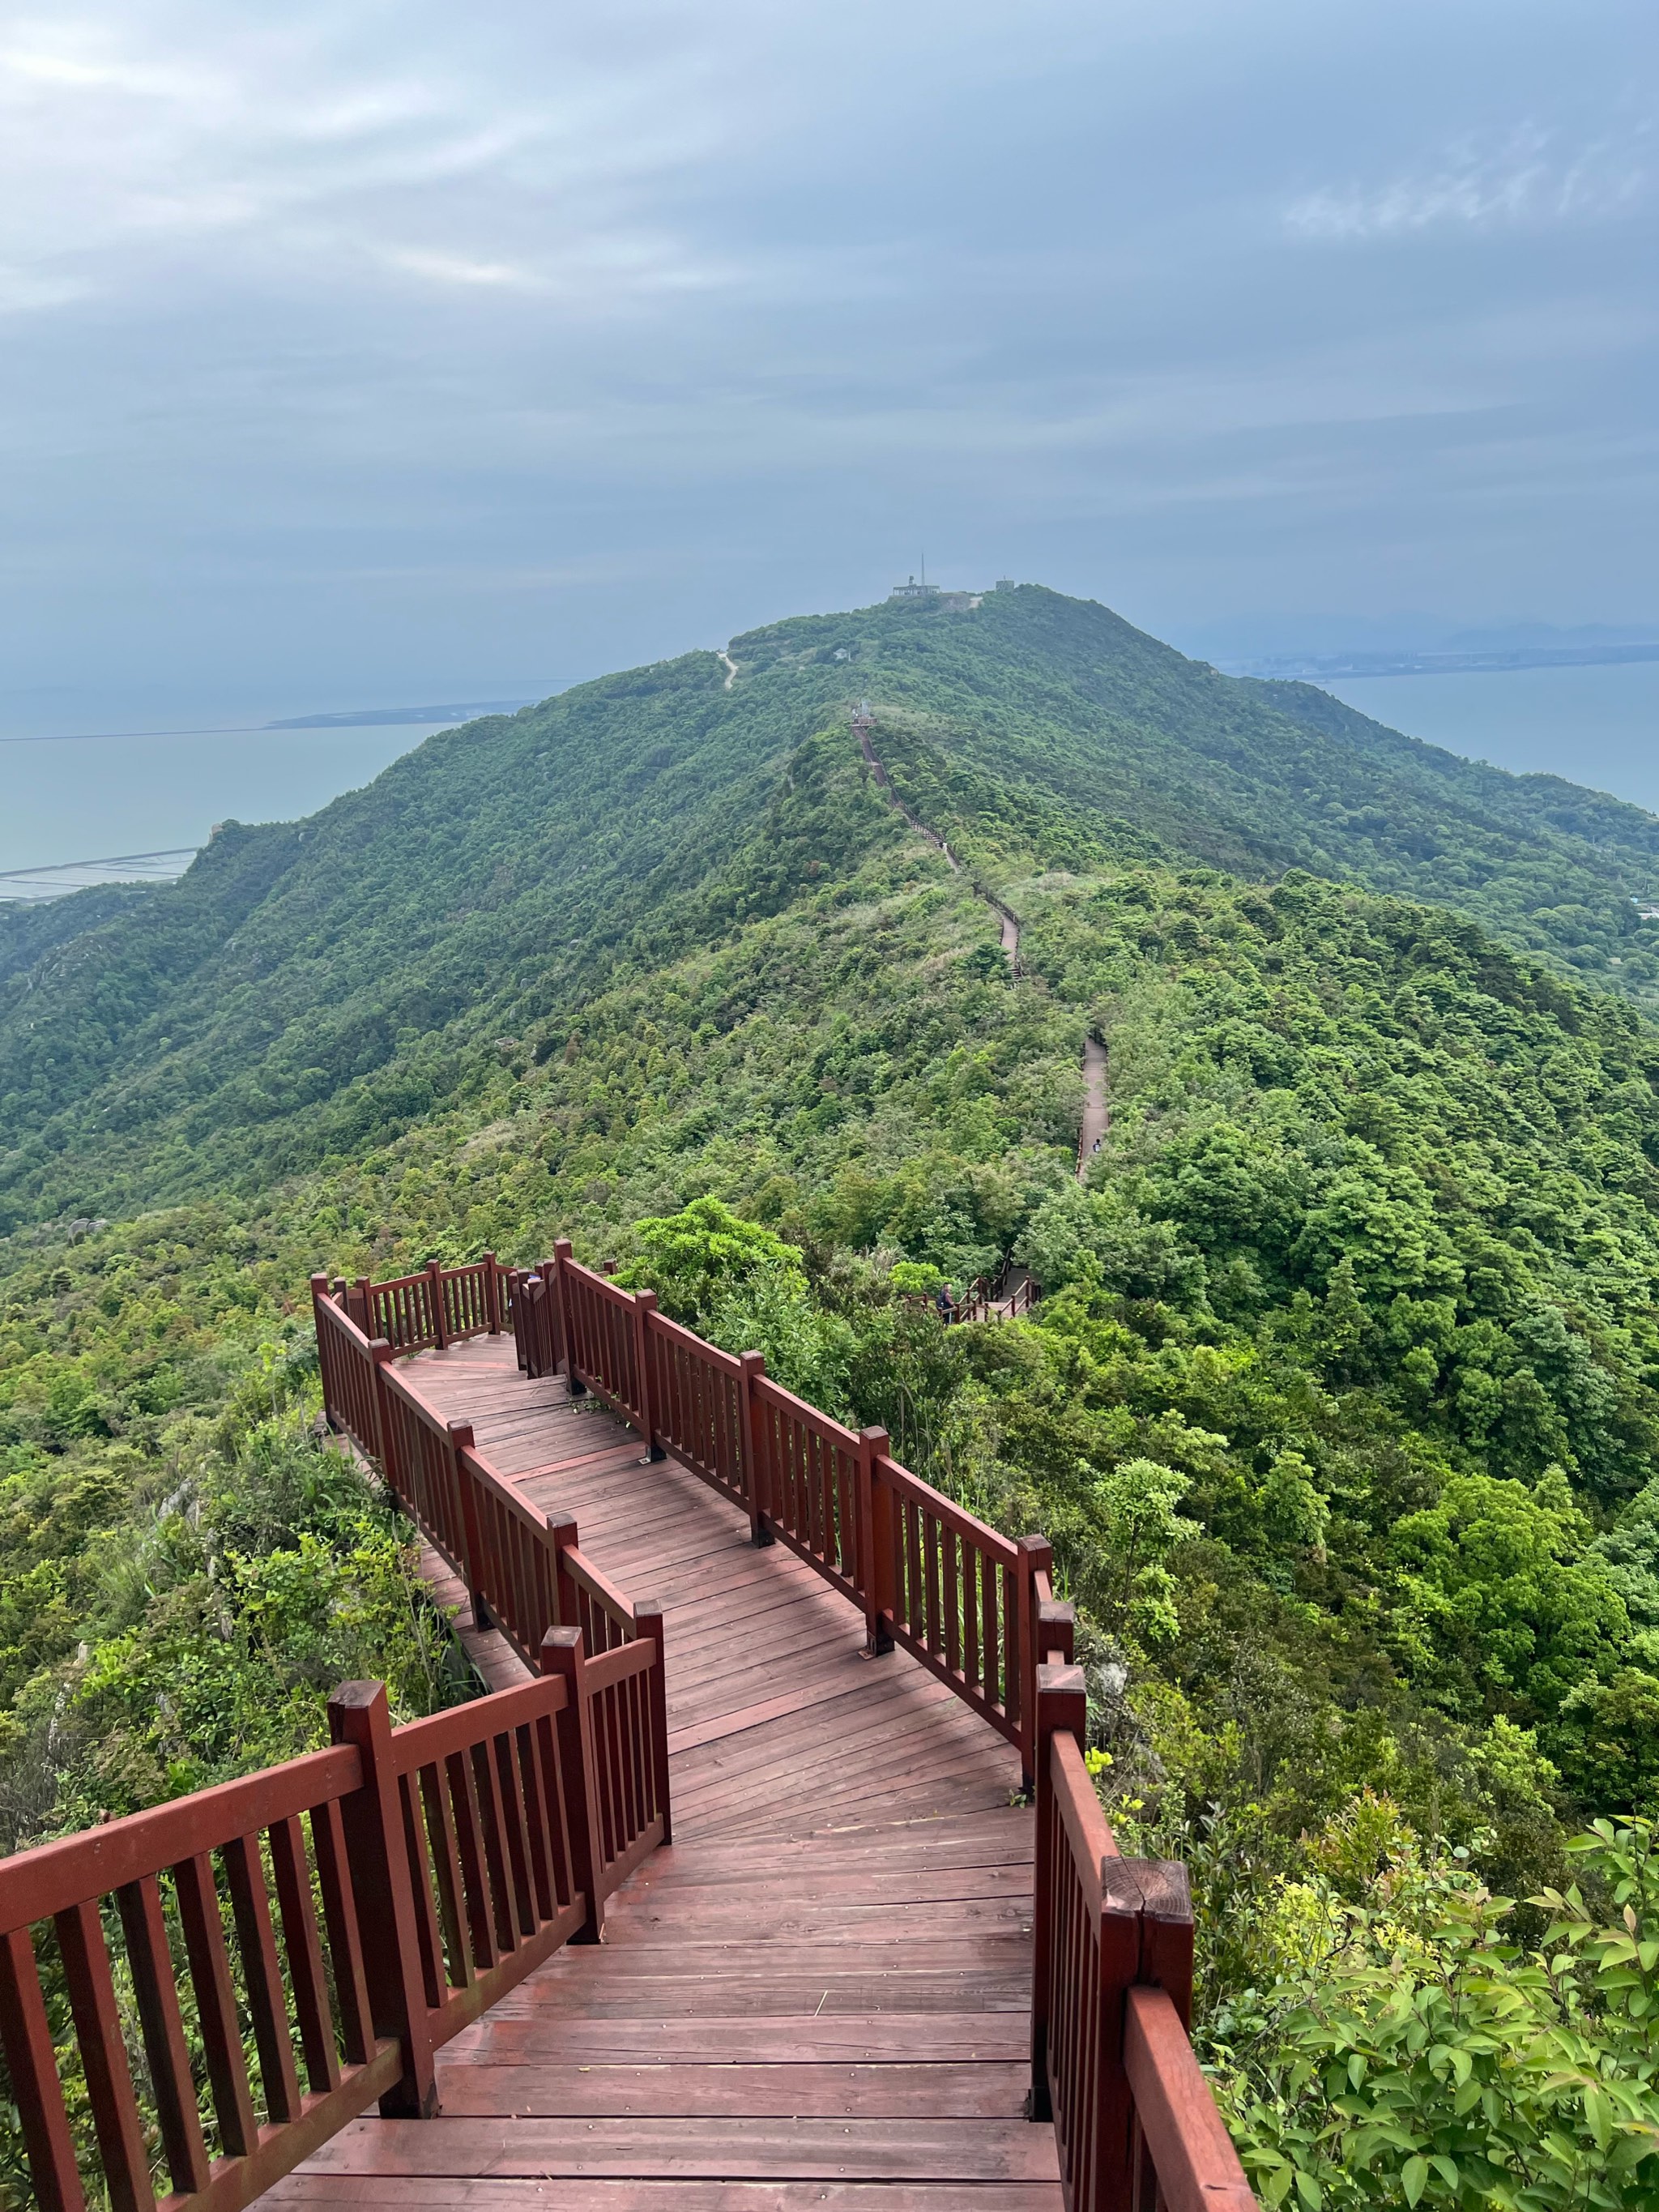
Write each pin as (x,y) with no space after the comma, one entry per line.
(1341,1401)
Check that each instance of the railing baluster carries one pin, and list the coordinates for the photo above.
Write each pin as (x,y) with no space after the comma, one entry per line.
(475,1864)
(250,1903)
(648,1622)
(533,1786)
(448,1879)
(104,2058)
(144,1922)
(487,1784)
(345,1949)
(934,1634)
(304,1949)
(215,2001)
(973,1570)
(36,2089)
(952,1547)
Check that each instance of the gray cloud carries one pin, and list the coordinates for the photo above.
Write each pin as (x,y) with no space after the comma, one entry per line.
(382,343)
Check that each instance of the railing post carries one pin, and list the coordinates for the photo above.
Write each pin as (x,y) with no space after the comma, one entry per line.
(381,1353)
(1166,1932)
(1036,1556)
(363,1292)
(548,1272)
(561,1256)
(647,1622)
(462,1439)
(562,1654)
(1112,2122)
(492,1295)
(319,1298)
(1062,1702)
(752,1366)
(434,1277)
(378,1858)
(527,1286)
(26,2033)
(645,1304)
(561,1528)
(875,1541)
(1056,1633)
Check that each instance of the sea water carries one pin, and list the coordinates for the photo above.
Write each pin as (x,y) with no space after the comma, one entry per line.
(1593,726)
(78,797)
(85,776)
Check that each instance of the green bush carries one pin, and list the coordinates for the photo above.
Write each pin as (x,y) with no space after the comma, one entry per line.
(1408,2049)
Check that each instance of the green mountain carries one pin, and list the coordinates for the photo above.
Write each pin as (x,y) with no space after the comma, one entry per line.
(1342,1401)
(304,989)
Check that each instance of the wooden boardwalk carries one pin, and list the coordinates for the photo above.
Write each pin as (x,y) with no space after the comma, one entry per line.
(819,1993)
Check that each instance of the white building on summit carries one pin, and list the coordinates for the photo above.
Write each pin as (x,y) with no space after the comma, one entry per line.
(912,593)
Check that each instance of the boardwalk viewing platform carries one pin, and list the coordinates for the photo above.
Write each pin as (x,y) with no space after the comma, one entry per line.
(825,1981)
(768,1873)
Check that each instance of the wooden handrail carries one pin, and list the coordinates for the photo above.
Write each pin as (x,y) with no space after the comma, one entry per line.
(441,1858)
(1186,2140)
(588,1599)
(1111,2061)
(926,1575)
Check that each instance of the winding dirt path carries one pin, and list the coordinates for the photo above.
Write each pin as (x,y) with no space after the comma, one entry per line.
(1008,922)
(730,667)
(1097,1114)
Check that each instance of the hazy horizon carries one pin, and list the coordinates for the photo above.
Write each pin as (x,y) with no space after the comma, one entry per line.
(84,798)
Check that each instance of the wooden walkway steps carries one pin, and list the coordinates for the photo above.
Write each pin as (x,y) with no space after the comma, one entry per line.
(819,1993)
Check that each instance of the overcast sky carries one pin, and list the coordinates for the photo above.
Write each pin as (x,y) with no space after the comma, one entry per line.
(409,351)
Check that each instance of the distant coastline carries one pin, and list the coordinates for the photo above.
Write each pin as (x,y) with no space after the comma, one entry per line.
(1316,668)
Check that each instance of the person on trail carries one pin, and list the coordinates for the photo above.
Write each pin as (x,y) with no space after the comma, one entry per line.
(945,1303)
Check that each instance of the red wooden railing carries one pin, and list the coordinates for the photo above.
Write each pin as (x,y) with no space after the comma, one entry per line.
(927,1574)
(987,1299)
(1112,2064)
(344,1915)
(438,1307)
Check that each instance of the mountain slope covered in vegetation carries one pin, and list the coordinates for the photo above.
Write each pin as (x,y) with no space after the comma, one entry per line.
(307,988)
(1342,1402)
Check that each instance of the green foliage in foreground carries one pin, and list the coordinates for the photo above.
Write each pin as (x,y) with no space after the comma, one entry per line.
(216,1626)
(1403,2047)
(177,1617)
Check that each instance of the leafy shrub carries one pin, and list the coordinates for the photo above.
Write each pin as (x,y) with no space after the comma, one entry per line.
(1409,2050)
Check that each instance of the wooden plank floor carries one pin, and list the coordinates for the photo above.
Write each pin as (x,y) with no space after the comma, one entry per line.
(819,1994)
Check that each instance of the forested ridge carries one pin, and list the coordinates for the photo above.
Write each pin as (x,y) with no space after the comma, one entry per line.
(1341,1402)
